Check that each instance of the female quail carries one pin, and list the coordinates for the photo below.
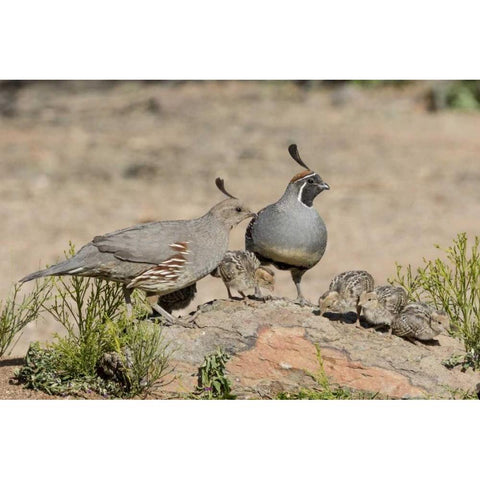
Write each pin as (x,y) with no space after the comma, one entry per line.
(344,292)
(380,306)
(290,234)
(418,321)
(158,257)
(241,270)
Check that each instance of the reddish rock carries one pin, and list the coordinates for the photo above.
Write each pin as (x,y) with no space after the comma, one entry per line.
(273,348)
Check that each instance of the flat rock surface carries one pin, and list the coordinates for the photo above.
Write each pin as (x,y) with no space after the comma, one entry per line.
(273,348)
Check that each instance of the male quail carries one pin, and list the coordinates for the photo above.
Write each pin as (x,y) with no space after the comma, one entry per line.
(241,270)
(418,321)
(344,292)
(380,306)
(290,234)
(158,257)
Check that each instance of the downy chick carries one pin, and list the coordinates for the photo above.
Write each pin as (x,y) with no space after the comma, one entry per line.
(241,270)
(344,292)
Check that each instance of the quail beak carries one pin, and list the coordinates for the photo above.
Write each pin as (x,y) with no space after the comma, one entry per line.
(324,186)
(249,215)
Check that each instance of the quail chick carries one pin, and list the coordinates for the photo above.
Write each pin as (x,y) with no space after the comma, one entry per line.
(344,292)
(116,367)
(241,270)
(158,257)
(290,234)
(418,321)
(380,306)
(177,300)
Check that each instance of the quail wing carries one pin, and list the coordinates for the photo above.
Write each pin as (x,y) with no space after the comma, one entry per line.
(146,243)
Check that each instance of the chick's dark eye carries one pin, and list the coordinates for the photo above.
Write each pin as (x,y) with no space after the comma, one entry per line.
(238,209)
(310,180)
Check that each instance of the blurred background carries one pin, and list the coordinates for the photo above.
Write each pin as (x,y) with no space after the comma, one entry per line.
(82,158)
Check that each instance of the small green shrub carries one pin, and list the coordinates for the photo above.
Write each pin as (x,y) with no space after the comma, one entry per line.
(42,371)
(464,95)
(452,285)
(16,314)
(94,315)
(148,360)
(212,382)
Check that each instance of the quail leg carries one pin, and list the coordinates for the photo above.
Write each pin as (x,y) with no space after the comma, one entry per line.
(357,322)
(258,294)
(128,300)
(297,278)
(172,320)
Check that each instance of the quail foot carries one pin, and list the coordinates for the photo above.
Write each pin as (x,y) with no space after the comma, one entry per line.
(241,270)
(158,257)
(290,234)
(380,306)
(343,294)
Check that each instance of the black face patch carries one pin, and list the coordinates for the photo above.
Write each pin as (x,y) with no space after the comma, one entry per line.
(309,189)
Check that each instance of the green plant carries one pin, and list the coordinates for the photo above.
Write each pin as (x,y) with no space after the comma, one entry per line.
(212,382)
(380,83)
(95,318)
(42,371)
(84,307)
(463,95)
(334,394)
(16,314)
(459,394)
(452,285)
(148,360)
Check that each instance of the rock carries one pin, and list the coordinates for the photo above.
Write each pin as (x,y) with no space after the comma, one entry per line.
(273,348)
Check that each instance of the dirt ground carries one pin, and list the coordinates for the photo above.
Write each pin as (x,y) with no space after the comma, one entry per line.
(79,159)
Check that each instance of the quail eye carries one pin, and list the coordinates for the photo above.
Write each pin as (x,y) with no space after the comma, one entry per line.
(310,180)
(238,209)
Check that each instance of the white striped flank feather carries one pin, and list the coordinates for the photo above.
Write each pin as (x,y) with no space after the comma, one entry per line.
(164,274)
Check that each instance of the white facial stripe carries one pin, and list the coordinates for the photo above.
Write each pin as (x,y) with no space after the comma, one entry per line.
(300,195)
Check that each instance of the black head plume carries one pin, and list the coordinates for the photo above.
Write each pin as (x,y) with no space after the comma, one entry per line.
(293,150)
(221,186)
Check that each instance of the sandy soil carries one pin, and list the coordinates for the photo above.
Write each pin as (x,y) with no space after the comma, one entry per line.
(79,160)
